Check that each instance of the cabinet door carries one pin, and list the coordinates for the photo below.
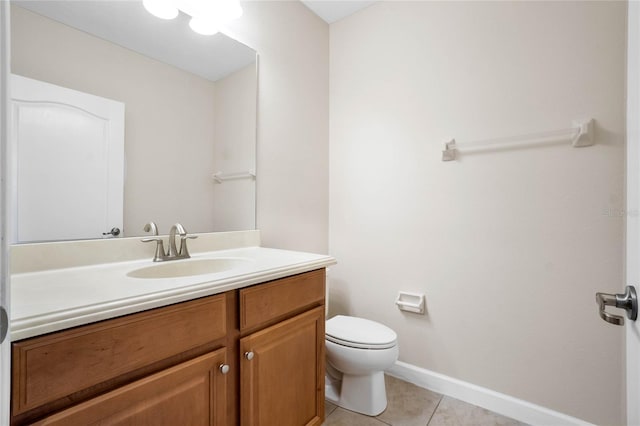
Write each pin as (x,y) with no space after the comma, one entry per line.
(282,373)
(191,393)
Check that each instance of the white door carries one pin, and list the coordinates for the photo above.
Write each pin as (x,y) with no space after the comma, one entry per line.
(69,153)
(5,360)
(633,208)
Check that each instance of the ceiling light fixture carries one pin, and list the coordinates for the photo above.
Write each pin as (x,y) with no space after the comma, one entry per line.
(206,15)
(162,9)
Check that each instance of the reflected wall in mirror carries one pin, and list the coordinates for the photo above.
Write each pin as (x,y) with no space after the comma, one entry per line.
(190,104)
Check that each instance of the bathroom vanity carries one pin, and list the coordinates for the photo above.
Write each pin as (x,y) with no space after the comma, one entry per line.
(250,352)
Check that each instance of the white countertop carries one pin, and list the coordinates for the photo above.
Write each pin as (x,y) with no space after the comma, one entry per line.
(51,300)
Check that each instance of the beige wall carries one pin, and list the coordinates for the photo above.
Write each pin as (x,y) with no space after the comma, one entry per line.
(169,117)
(293,121)
(235,149)
(510,245)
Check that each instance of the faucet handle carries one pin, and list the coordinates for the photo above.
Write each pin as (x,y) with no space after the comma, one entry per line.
(184,251)
(151,239)
(151,226)
(160,254)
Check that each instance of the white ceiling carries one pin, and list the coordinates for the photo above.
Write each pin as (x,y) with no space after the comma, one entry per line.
(334,10)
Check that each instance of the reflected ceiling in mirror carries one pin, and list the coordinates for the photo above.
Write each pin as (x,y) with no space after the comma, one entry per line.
(128,24)
(190,104)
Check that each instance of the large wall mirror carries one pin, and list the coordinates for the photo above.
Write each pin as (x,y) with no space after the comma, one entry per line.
(189,108)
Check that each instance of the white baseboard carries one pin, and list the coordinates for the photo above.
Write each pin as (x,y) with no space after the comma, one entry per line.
(500,403)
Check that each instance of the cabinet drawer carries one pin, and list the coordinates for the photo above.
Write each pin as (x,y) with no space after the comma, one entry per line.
(264,303)
(191,393)
(54,366)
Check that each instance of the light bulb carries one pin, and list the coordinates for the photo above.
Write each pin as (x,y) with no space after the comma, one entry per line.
(229,10)
(206,15)
(203,26)
(163,9)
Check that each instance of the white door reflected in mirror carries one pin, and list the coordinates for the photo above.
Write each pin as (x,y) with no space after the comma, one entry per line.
(69,150)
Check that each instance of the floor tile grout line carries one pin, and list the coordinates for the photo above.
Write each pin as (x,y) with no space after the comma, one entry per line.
(383,422)
(335,408)
(435,409)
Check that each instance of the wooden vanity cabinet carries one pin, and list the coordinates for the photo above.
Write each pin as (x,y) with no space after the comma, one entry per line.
(183,364)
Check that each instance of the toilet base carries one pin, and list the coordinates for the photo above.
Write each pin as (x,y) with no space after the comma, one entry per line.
(363,394)
(332,389)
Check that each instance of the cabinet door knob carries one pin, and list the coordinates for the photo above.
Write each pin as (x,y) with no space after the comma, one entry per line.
(248,355)
(224,368)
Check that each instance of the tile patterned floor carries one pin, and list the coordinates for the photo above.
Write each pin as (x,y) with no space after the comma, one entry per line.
(410,405)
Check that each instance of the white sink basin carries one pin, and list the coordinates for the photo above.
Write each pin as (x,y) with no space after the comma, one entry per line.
(187,268)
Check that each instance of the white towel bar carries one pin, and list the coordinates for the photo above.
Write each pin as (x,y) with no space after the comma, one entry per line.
(581,134)
(220,177)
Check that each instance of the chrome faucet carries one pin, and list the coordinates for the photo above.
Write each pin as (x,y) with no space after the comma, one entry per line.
(183,253)
(173,253)
(179,229)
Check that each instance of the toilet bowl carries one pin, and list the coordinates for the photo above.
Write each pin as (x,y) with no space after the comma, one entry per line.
(358,352)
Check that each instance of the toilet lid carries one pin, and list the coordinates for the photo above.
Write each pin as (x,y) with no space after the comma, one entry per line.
(359,333)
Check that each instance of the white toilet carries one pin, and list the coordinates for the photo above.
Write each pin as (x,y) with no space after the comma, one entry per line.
(358,352)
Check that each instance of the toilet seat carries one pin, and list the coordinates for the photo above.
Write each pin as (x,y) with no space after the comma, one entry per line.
(359,333)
